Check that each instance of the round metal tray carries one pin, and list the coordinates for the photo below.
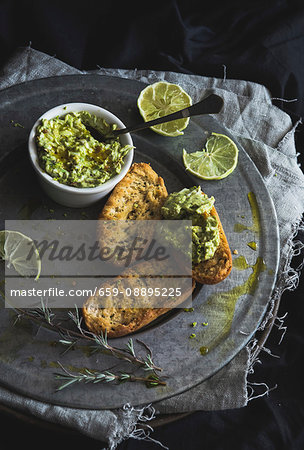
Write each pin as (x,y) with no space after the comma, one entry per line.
(27,363)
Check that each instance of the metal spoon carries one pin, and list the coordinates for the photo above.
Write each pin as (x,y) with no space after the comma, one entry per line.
(212,104)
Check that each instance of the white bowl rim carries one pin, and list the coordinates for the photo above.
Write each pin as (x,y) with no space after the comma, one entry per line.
(65,108)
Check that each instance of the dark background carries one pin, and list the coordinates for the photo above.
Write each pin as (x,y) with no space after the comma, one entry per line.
(258,41)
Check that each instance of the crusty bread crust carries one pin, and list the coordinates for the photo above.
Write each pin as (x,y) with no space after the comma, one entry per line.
(217,268)
(127,318)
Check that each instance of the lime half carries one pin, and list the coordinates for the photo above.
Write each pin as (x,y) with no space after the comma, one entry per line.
(20,252)
(216,161)
(160,99)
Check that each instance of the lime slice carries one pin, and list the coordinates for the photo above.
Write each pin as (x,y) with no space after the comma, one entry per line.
(160,99)
(20,252)
(217,161)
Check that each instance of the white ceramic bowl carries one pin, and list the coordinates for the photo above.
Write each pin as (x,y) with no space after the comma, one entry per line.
(69,195)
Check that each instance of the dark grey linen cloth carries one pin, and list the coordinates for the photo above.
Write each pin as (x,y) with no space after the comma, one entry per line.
(267,134)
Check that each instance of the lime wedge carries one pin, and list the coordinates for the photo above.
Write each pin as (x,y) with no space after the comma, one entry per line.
(20,252)
(216,161)
(160,99)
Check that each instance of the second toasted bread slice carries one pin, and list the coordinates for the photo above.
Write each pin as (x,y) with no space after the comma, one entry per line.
(119,316)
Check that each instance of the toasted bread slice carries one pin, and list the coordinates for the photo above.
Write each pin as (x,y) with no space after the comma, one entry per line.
(218,267)
(139,195)
(100,315)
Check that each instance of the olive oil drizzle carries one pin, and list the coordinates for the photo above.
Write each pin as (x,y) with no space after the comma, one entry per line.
(240,263)
(220,307)
(253,245)
(256,217)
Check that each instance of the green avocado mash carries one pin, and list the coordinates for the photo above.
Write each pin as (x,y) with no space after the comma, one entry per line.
(68,152)
(192,204)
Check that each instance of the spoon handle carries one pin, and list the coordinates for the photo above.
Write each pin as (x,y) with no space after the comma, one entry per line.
(209,105)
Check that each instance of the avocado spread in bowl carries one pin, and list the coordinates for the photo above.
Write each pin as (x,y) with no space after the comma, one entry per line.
(193,204)
(69,153)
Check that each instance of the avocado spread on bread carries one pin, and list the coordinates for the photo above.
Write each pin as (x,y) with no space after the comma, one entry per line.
(193,204)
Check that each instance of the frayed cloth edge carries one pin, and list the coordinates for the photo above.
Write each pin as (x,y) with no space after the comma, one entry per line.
(138,429)
(288,280)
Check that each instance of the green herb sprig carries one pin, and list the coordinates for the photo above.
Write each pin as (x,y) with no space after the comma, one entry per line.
(97,342)
(93,376)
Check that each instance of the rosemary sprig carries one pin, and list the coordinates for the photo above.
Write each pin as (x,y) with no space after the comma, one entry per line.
(93,376)
(43,313)
(127,354)
(99,342)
